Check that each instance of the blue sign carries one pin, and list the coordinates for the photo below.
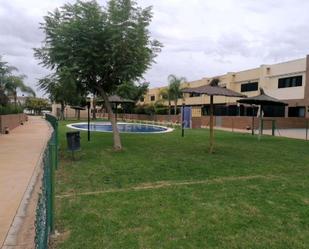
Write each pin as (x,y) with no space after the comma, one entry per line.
(187,114)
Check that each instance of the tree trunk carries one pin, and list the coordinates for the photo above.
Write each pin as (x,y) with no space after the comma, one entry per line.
(62,111)
(211,125)
(94,113)
(15,99)
(116,135)
(175,107)
(169,110)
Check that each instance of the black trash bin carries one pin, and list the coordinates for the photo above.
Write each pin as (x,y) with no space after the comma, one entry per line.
(73,139)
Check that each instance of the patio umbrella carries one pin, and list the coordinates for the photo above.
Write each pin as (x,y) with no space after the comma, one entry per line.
(262,100)
(213,90)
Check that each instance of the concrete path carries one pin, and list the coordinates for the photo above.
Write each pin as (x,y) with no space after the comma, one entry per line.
(20,153)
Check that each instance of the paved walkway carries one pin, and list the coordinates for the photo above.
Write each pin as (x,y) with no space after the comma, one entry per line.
(20,153)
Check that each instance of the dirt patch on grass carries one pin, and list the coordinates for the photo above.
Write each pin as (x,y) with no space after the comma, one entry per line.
(166,184)
(58,238)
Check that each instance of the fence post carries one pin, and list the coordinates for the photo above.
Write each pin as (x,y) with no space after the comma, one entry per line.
(51,196)
(306,129)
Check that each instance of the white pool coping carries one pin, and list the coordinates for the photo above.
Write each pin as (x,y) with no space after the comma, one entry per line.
(109,123)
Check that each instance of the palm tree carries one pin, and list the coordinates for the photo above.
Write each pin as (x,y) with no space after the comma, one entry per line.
(5,71)
(174,89)
(14,83)
(10,83)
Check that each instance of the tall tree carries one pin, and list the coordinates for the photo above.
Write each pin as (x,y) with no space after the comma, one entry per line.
(62,89)
(5,71)
(174,89)
(101,47)
(16,83)
(132,91)
(10,83)
(37,105)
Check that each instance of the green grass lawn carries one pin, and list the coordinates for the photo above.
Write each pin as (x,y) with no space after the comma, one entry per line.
(165,191)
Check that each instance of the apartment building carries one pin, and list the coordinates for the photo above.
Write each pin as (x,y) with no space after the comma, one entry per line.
(286,81)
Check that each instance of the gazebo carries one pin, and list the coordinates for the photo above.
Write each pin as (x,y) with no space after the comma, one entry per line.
(77,110)
(115,99)
(262,100)
(213,90)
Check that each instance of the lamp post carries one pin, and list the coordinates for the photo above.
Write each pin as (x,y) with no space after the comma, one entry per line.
(252,129)
(183,120)
(88,129)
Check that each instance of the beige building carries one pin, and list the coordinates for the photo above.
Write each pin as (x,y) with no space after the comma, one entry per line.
(287,81)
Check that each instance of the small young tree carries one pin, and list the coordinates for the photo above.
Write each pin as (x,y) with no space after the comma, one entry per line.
(102,48)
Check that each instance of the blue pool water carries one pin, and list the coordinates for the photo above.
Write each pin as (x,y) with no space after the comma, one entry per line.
(122,127)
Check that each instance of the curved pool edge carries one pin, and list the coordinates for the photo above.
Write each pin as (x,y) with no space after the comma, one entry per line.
(168,129)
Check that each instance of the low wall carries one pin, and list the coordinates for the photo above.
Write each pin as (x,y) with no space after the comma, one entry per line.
(239,122)
(236,122)
(287,123)
(11,121)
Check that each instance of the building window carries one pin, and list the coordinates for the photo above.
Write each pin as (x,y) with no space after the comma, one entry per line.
(195,95)
(298,111)
(249,87)
(152,98)
(290,81)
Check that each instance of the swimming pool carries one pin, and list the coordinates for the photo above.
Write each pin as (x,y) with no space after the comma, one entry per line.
(122,127)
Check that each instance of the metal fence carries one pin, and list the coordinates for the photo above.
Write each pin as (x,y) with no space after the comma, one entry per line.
(44,223)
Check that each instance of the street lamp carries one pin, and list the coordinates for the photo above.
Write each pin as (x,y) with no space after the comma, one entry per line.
(88,108)
(183,120)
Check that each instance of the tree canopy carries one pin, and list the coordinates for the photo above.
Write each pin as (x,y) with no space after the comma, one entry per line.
(102,48)
(132,91)
(37,105)
(62,89)
(174,89)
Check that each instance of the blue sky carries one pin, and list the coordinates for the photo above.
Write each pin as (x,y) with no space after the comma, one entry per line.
(201,37)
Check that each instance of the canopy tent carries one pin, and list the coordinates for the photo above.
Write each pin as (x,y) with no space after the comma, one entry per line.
(212,91)
(262,100)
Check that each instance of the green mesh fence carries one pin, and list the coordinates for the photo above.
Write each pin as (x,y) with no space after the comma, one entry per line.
(44,223)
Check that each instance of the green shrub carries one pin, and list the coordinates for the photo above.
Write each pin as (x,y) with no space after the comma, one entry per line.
(151,109)
(10,109)
(140,109)
(161,110)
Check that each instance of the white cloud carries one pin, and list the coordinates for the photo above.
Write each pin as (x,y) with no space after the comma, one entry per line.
(201,38)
